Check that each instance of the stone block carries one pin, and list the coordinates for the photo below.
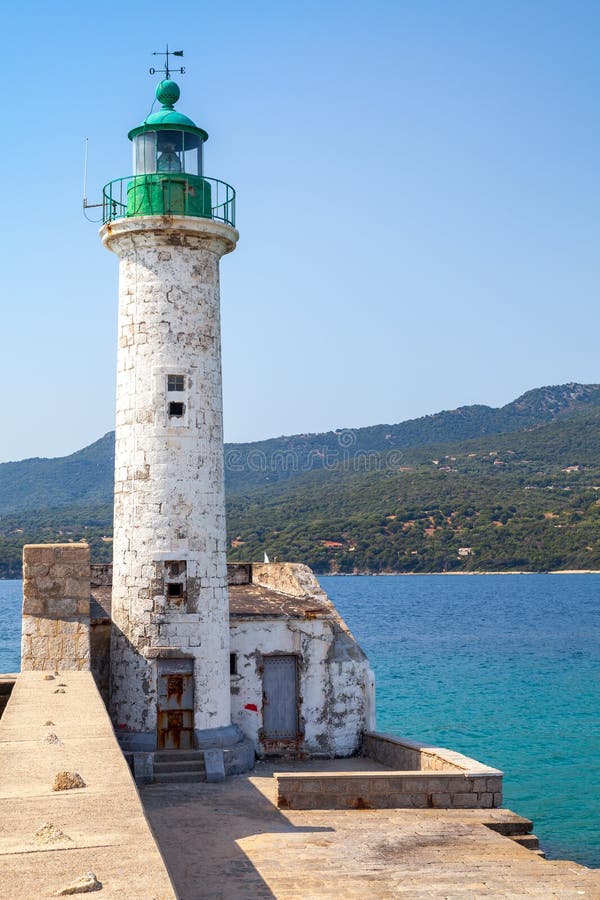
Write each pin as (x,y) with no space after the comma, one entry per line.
(486,800)
(493,784)
(143,768)
(38,646)
(480,784)
(404,801)
(72,552)
(354,785)
(38,554)
(61,607)
(35,663)
(498,799)
(214,765)
(464,801)
(82,646)
(68,646)
(300,786)
(83,605)
(30,625)
(63,570)
(45,587)
(297,801)
(429,784)
(48,626)
(441,800)
(33,570)
(32,605)
(78,588)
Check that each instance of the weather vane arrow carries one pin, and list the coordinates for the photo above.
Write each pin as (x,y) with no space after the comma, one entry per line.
(167,69)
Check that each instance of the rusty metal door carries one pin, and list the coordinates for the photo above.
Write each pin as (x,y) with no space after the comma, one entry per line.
(175,704)
(280,697)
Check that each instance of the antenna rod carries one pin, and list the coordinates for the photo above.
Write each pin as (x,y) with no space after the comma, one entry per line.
(85,167)
(87,205)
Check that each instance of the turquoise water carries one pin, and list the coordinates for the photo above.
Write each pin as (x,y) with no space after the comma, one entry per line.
(11,598)
(504,668)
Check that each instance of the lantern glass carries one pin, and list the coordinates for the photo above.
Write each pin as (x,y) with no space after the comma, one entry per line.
(167,151)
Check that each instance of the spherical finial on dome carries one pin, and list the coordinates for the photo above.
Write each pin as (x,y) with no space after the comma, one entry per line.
(167,93)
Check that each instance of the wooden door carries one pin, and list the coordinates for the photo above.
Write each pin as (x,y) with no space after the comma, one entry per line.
(280,697)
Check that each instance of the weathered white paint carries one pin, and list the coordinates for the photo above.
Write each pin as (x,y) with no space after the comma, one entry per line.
(169,487)
(336,685)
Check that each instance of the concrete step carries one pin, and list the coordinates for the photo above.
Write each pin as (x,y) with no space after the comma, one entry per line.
(178,777)
(530,841)
(179,765)
(178,755)
(511,824)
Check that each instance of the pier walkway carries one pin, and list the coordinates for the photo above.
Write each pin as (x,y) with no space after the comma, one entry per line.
(230,842)
(49,838)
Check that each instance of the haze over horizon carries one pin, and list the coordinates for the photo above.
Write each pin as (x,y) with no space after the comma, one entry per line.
(417,199)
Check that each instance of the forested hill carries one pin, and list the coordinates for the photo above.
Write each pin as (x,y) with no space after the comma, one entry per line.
(286,457)
(527,500)
(85,478)
(403,497)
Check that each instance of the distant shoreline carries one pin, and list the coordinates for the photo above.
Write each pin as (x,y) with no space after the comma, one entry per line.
(436,574)
(478,572)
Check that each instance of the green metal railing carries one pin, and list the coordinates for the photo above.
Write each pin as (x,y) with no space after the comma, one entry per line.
(168,195)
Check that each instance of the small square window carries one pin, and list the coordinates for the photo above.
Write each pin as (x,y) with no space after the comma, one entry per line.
(233,664)
(175,382)
(176,410)
(175,581)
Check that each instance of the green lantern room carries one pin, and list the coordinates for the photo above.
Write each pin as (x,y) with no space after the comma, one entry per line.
(168,177)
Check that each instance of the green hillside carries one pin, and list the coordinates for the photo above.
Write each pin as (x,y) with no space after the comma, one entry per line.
(77,480)
(526,500)
(408,497)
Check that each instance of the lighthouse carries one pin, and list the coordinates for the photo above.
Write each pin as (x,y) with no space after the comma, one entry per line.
(169,224)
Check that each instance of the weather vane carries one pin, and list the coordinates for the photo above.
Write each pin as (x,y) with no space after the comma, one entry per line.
(167,71)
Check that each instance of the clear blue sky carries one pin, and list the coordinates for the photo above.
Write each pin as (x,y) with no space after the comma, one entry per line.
(418,204)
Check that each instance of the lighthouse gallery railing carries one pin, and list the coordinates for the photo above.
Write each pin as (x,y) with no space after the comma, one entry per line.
(168,195)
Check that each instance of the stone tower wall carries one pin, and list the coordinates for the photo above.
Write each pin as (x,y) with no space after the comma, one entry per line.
(169,524)
(56,607)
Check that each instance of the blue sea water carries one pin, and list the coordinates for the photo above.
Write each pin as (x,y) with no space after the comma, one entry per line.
(504,668)
(11,598)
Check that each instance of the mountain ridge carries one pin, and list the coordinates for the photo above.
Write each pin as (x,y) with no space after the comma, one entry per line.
(85,476)
(313,497)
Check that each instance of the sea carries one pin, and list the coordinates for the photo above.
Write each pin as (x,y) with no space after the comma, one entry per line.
(503,668)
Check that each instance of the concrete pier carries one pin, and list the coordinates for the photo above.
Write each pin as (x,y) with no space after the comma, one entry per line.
(49,838)
(230,841)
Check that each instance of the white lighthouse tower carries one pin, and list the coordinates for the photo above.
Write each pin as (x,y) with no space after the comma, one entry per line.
(169,225)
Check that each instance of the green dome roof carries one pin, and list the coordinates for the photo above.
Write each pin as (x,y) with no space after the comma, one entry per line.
(167,93)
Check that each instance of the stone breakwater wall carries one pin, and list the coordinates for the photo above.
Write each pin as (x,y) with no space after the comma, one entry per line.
(56,607)
(401,753)
(419,777)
